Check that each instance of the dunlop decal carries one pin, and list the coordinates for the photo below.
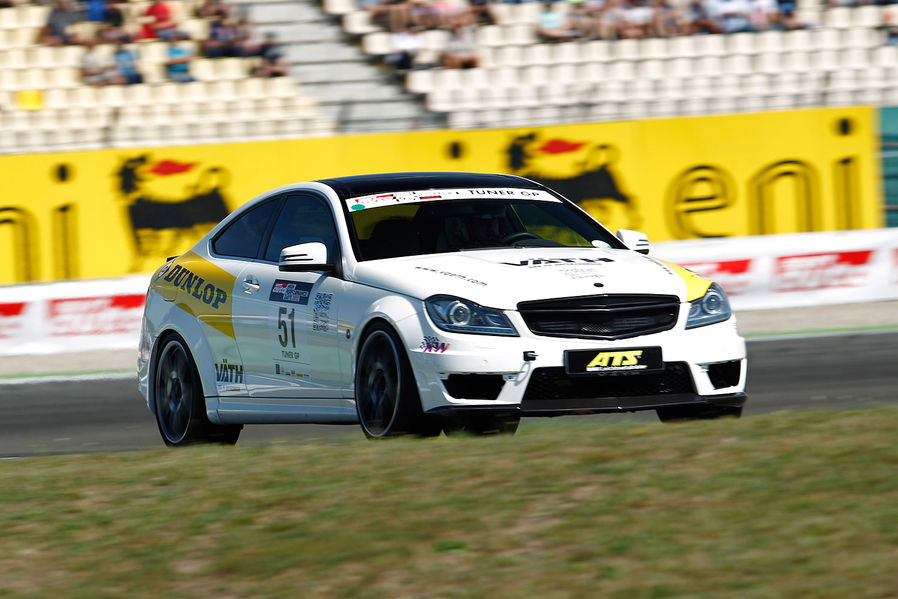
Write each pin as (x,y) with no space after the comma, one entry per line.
(199,288)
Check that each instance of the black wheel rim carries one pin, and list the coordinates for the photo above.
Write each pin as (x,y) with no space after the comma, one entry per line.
(174,392)
(377,387)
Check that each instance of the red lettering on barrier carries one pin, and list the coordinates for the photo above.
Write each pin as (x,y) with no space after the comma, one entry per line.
(821,271)
(11,319)
(732,275)
(95,315)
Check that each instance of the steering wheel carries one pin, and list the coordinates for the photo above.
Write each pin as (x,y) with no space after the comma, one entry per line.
(519,236)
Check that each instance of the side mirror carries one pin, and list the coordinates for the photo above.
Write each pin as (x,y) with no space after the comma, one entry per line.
(635,240)
(305,257)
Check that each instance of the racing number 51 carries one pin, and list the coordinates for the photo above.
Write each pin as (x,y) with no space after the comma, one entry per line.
(283,335)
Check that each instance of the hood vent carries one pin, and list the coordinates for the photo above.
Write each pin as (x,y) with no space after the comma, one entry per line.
(601,316)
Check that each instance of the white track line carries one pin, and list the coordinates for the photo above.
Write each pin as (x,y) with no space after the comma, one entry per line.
(817,335)
(57,378)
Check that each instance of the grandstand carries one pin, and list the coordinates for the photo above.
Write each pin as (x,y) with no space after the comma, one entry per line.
(338,82)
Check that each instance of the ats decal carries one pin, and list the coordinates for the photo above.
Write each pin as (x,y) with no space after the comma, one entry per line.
(621,360)
(228,373)
(290,292)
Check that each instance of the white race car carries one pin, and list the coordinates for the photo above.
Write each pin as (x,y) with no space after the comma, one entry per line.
(414,303)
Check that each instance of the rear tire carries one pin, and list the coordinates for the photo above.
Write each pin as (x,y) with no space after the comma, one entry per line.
(691,413)
(179,401)
(386,397)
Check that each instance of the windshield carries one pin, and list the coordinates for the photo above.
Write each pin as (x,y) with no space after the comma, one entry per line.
(428,224)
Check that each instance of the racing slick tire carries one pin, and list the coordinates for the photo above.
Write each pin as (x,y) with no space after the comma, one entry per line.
(180,404)
(386,397)
(691,413)
(482,424)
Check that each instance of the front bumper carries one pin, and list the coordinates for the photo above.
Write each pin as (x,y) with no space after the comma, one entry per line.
(706,365)
(601,405)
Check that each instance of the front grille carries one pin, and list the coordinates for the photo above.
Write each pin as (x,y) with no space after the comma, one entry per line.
(601,316)
(554,383)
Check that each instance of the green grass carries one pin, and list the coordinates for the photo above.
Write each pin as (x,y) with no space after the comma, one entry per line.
(798,505)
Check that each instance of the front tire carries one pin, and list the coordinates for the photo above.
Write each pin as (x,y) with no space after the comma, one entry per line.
(386,397)
(180,405)
(691,413)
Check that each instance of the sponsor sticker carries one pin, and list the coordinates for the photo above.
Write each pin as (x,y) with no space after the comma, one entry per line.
(618,360)
(430,195)
(810,272)
(290,292)
(431,344)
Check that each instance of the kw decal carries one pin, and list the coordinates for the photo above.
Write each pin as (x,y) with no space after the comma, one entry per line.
(199,288)
(228,373)
(696,286)
(532,262)
(432,344)
(616,358)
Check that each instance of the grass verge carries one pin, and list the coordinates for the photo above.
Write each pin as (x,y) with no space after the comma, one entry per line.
(782,505)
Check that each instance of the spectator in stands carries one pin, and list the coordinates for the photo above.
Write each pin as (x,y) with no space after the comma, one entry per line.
(480,10)
(160,23)
(665,19)
(96,10)
(580,21)
(271,54)
(94,70)
(552,26)
(404,47)
(113,27)
(460,51)
(126,65)
(732,16)
(611,18)
(889,29)
(213,8)
(245,38)
(638,17)
(698,19)
(61,17)
(221,40)
(177,65)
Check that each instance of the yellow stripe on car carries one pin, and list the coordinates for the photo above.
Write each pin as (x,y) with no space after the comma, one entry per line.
(696,286)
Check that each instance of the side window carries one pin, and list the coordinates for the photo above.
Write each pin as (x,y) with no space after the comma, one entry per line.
(303,219)
(241,239)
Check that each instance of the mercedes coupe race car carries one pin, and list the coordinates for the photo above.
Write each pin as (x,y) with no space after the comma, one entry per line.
(415,303)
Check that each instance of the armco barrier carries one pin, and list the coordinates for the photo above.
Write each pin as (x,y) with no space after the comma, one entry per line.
(774,271)
(111,213)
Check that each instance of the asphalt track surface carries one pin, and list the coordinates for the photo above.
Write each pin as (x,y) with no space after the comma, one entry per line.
(834,372)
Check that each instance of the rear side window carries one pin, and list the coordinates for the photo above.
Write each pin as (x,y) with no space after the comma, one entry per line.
(241,238)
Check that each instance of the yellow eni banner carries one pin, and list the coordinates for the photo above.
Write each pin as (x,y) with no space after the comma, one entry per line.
(115,212)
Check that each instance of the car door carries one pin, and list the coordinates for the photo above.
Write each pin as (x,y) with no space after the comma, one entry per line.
(286,322)
(211,285)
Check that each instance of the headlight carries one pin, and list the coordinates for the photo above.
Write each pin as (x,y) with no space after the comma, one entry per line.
(462,316)
(710,308)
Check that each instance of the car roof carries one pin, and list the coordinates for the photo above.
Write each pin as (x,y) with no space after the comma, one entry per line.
(361,185)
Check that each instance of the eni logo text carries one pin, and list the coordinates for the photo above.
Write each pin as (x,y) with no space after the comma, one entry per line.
(616,358)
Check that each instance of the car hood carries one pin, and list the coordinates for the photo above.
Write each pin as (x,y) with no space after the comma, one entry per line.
(503,277)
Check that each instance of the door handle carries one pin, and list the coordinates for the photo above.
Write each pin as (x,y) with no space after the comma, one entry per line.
(250,284)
